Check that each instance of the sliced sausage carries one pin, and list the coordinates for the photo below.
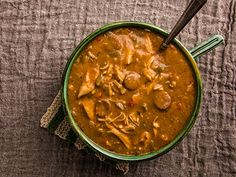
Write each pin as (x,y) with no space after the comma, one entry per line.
(132,81)
(162,100)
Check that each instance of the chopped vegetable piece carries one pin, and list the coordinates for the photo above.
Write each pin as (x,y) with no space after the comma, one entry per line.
(171,84)
(190,88)
(157,65)
(99,80)
(149,87)
(145,106)
(136,98)
(110,91)
(156,123)
(119,75)
(145,138)
(158,87)
(122,89)
(108,143)
(164,137)
(164,76)
(155,132)
(120,106)
(91,55)
(71,87)
(104,65)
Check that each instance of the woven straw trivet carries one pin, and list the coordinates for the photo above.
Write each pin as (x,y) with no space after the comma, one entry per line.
(54,120)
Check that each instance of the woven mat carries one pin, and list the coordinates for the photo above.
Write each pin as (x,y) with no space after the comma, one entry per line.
(55,121)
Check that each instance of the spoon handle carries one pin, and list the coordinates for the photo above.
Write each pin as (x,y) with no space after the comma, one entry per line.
(193,7)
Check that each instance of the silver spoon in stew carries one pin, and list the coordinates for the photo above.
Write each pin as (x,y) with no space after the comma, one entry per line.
(193,7)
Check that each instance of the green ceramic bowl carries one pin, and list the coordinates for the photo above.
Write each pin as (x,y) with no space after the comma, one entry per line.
(191,56)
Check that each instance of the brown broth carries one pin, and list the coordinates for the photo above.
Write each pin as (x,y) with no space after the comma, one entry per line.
(126,96)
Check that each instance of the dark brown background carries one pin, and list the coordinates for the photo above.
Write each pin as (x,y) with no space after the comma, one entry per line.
(36,38)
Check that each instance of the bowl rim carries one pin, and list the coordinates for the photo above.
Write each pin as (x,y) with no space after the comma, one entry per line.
(97,148)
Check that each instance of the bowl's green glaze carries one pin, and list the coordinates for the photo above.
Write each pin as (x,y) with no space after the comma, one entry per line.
(102,150)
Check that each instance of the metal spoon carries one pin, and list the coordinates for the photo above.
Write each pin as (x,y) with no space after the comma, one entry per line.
(193,7)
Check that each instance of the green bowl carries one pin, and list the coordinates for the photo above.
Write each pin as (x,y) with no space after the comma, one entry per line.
(191,56)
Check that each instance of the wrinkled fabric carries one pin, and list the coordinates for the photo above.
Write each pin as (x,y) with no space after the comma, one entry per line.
(36,39)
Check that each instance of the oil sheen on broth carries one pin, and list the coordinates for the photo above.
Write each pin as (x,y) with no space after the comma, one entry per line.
(126,96)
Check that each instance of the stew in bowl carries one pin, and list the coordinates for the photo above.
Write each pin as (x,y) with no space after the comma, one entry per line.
(126,99)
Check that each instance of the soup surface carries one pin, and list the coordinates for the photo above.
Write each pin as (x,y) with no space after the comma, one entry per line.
(127,96)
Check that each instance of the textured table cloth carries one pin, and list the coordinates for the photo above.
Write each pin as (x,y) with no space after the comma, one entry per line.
(36,39)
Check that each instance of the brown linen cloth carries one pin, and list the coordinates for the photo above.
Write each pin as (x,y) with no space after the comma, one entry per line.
(36,39)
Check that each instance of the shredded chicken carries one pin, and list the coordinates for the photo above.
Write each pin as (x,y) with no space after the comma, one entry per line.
(149,74)
(88,105)
(88,83)
(134,117)
(124,138)
(148,45)
(128,51)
